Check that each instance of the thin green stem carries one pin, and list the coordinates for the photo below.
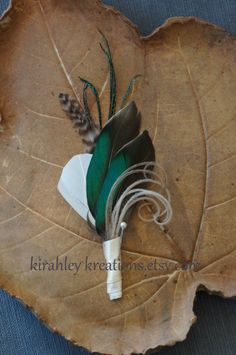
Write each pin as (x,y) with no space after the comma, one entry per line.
(129,90)
(107,52)
(90,86)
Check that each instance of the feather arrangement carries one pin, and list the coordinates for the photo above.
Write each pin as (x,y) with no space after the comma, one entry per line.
(103,187)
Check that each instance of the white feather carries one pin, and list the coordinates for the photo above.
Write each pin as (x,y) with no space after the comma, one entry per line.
(72,184)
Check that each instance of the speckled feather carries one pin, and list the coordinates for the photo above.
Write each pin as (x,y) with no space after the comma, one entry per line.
(83,122)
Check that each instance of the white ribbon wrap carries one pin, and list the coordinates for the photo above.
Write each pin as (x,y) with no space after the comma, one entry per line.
(112,254)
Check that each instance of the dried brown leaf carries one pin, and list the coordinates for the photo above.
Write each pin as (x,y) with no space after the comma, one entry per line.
(187,99)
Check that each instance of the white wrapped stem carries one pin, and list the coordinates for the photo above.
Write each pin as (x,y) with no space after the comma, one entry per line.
(112,254)
(116,215)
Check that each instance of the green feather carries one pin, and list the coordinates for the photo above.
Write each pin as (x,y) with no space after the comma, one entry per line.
(119,130)
(137,151)
(94,91)
(129,90)
(107,52)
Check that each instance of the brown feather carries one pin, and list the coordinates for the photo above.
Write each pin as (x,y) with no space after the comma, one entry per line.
(82,120)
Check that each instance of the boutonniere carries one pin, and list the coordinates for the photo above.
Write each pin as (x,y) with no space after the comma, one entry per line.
(117,171)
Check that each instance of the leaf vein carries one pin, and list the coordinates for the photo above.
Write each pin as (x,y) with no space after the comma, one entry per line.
(204,131)
(57,53)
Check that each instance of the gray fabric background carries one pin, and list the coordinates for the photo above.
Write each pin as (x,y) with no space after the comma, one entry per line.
(214,333)
(148,14)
